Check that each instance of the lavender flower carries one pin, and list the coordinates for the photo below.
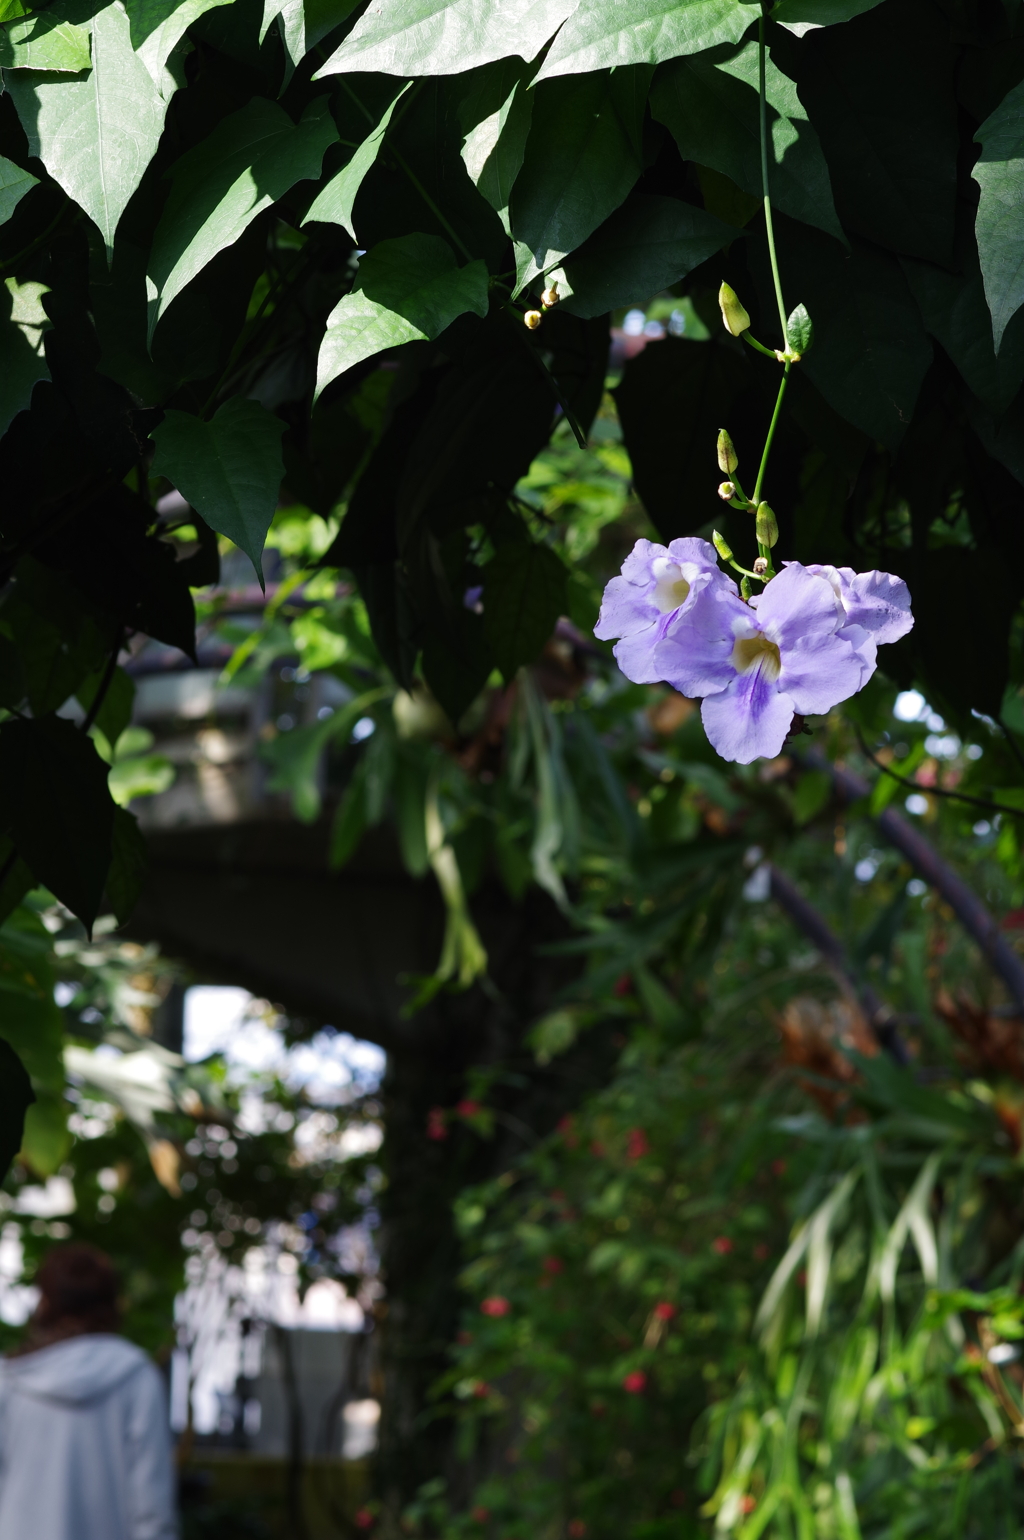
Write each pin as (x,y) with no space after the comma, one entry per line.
(658,585)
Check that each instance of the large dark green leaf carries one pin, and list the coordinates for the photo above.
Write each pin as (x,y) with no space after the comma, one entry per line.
(128,865)
(803,15)
(1000,223)
(605,34)
(406,290)
(879,91)
(229,469)
(582,157)
(249,161)
(524,594)
(711,108)
(304,22)
(22,359)
(98,131)
(495,117)
(44,43)
(444,37)
(16,1096)
(14,184)
(334,204)
(647,245)
(955,313)
(157,28)
(57,809)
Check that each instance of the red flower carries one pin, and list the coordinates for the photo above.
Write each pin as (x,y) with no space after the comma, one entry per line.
(637,1144)
(748,1504)
(664,1311)
(722,1244)
(364,1519)
(635,1382)
(495,1305)
(467,1108)
(437,1127)
(481,1515)
(576,1528)
(553,1265)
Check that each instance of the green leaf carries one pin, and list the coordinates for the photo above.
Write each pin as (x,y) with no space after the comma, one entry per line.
(57,809)
(14,184)
(644,247)
(880,93)
(711,110)
(1000,222)
(445,37)
(44,43)
(218,188)
(128,866)
(495,118)
(15,881)
(524,594)
(955,312)
(334,204)
(605,34)
(46,1140)
(802,16)
(303,23)
(228,469)
(97,133)
(406,290)
(144,775)
(582,157)
(22,359)
(16,1096)
(157,27)
(800,329)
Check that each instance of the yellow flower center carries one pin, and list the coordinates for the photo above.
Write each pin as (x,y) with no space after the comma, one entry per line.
(750,651)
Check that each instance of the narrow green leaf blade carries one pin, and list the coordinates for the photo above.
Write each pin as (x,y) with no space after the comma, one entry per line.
(95,133)
(250,160)
(445,37)
(14,184)
(407,290)
(605,34)
(524,594)
(228,469)
(583,155)
(1000,222)
(334,205)
(44,43)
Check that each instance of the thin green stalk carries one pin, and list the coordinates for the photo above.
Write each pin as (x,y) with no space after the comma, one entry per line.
(763,112)
(771,434)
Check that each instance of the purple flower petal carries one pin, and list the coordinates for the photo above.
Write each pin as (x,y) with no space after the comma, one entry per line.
(796,604)
(878,601)
(750,719)
(657,584)
(695,654)
(820,671)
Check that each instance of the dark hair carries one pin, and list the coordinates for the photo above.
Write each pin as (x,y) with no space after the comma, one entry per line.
(78,1288)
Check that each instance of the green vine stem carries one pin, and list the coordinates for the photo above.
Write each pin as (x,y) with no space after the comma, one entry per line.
(769,228)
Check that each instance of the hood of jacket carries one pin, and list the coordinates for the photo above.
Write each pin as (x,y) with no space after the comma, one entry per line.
(74,1372)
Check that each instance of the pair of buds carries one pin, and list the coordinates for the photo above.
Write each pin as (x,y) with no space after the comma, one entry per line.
(533,318)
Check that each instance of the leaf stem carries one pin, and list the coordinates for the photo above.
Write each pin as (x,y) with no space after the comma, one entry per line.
(753,342)
(763,123)
(771,434)
(105,682)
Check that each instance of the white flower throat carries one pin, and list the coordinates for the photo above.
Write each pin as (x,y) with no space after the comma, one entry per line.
(752,652)
(670,587)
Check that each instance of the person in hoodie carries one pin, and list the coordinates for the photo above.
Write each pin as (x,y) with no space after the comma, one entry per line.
(85,1450)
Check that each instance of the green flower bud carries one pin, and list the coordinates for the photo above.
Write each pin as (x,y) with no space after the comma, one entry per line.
(745,588)
(726,491)
(721,545)
(550,296)
(733,314)
(728,459)
(766,527)
(532,319)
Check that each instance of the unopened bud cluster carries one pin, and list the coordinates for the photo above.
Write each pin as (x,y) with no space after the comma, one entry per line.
(533,318)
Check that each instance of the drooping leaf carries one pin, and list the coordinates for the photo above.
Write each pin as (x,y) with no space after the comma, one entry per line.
(14,184)
(249,161)
(44,43)
(95,133)
(57,809)
(22,359)
(524,594)
(445,37)
(334,205)
(711,109)
(879,92)
(16,1096)
(495,117)
(229,469)
(582,157)
(406,290)
(999,173)
(303,23)
(802,16)
(157,27)
(955,313)
(128,865)
(606,34)
(644,247)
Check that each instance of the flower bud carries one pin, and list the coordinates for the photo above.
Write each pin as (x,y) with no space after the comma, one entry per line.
(550,296)
(745,588)
(760,566)
(726,491)
(728,459)
(767,529)
(721,545)
(532,319)
(733,314)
